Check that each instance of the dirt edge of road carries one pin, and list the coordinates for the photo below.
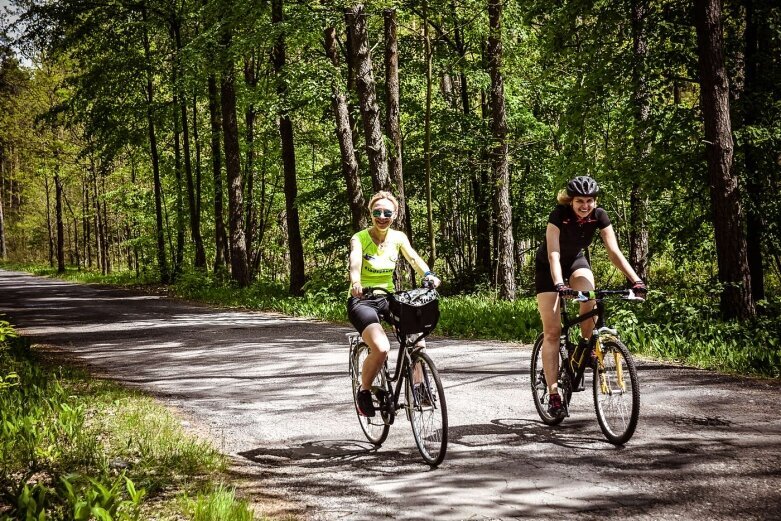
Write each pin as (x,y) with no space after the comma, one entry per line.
(240,472)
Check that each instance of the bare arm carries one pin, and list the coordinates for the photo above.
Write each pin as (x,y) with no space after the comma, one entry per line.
(417,263)
(356,259)
(616,257)
(554,253)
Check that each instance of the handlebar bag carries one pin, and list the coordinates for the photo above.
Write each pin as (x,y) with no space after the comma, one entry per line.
(414,311)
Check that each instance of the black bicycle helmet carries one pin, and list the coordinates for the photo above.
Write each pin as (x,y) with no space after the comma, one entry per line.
(582,185)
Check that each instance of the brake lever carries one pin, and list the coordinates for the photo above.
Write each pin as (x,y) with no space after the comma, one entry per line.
(632,296)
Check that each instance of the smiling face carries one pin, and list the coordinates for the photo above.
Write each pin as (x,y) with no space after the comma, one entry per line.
(383,212)
(583,205)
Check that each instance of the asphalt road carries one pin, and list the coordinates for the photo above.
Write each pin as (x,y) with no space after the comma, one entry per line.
(274,393)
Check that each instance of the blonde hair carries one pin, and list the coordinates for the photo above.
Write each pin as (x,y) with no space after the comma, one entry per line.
(382,194)
(563,197)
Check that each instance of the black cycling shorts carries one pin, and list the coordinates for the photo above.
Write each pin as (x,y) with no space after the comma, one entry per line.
(543,282)
(364,312)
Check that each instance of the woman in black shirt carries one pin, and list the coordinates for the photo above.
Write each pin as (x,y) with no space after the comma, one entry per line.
(561,258)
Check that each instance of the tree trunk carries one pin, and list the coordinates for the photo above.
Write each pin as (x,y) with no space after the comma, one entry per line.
(179,258)
(3,248)
(230,133)
(755,225)
(192,194)
(393,122)
(162,263)
(478,179)
(198,165)
(100,243)
(728,220)
(105,235)
(194,204)
(85,227)
(251,80)
(344,136)
(638,201)
(222,252)
(393,130)
(499,160)
(58,217)
(370,111)
(295,245)
(427,140)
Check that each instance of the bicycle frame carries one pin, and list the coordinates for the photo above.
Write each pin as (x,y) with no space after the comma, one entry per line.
(403,366)
(599,329)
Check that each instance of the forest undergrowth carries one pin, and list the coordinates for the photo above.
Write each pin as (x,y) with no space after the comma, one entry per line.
(676,325)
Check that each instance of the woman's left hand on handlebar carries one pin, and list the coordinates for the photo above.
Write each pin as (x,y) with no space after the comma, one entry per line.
(433,279)
(640,289)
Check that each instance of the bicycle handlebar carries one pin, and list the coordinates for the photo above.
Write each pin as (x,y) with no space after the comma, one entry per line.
(598,294)
(369,290)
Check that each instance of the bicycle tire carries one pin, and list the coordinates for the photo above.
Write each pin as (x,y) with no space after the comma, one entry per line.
(539,386)
(427,412)
(375,428)
(617,406)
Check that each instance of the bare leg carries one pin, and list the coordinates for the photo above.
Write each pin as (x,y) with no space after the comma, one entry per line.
(548,305)
(417,371)
(378,343)
(583,280)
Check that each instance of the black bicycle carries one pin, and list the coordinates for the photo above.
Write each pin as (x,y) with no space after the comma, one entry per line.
(413,314)
(614,383)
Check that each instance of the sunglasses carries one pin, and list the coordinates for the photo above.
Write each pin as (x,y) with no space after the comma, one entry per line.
(382,213)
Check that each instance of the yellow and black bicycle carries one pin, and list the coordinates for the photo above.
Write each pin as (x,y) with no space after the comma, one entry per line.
(614,383)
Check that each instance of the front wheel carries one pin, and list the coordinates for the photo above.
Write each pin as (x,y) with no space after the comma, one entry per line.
(427,409)
(540,386)
(375,428)
(616,392)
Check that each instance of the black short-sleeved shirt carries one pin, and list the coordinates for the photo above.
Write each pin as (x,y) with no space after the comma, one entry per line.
(575,234)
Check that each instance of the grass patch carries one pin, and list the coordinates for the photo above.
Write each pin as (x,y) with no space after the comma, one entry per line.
(74,447)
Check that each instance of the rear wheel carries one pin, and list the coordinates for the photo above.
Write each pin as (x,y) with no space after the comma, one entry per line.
(540,387)
(616,392)
(427,409)
(375,428)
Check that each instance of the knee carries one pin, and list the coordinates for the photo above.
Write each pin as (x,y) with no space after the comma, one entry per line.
(377,340)
(551,335)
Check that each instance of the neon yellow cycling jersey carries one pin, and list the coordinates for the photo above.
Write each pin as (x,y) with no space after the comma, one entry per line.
(378,262)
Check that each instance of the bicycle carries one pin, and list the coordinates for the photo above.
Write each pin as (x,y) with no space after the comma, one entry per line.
(614,383)
(415,372)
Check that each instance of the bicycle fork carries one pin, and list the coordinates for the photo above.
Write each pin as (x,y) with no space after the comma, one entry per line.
(619,378)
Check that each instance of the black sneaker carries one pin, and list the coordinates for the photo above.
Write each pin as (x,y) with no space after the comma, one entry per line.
(365,404)
(555,407)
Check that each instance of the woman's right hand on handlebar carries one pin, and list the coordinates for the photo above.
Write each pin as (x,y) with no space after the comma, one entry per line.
(356,290)
(433,280)
(565,291)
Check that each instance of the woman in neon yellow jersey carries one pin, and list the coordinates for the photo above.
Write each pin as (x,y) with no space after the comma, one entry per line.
(373,255)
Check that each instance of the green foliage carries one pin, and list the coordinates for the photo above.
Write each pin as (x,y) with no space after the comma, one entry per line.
(76,448)
(219,504)
(688,331)
(486,316)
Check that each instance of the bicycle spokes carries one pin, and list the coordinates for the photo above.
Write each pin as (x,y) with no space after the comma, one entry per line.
(616,393)
(427,411)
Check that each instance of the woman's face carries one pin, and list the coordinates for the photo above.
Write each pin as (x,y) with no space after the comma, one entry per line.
(383,213)
(583,206)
